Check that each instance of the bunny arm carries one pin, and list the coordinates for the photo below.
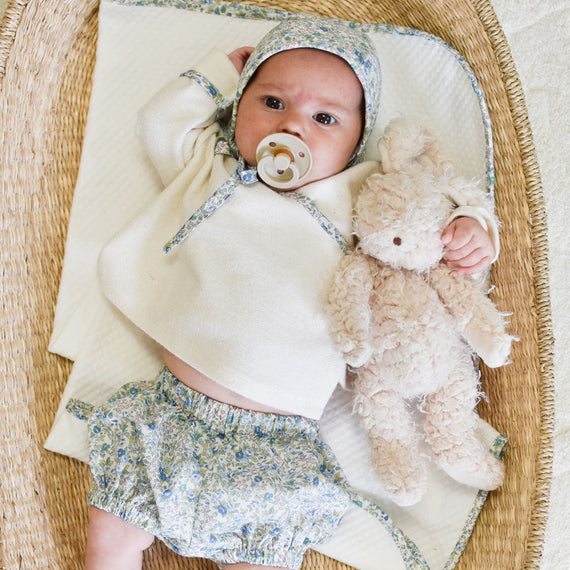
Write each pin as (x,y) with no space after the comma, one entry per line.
(349,308)
(478,320)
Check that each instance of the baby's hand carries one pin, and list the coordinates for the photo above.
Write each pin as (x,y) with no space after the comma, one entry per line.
(239,56)
(468,247)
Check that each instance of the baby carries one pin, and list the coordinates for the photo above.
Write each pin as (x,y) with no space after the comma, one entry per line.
(220,456)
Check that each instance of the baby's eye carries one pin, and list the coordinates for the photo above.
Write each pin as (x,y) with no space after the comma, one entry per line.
(273,103)
(324,118)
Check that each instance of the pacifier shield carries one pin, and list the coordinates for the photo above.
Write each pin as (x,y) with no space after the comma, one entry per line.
(283,161)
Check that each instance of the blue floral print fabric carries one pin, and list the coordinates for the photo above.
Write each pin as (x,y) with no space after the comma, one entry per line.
(211,480)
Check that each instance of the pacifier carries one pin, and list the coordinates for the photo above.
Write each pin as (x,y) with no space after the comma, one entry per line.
(283,160)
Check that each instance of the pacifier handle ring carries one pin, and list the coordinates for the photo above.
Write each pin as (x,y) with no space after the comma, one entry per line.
(284,157)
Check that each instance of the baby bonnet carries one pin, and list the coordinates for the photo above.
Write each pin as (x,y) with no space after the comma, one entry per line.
(343,39)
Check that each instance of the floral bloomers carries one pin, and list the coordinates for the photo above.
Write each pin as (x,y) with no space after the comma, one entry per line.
(211,480)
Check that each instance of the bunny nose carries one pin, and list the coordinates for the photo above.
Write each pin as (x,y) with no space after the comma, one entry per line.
(397,241)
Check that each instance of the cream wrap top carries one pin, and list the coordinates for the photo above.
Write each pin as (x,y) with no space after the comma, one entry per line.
(242,298)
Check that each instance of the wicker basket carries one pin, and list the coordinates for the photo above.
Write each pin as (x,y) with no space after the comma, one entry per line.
(47,52)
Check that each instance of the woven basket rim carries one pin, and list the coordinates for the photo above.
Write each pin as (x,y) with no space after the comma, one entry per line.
(539,236)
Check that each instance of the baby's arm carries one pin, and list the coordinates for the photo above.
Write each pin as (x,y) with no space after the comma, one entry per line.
(170,123)
(468,246)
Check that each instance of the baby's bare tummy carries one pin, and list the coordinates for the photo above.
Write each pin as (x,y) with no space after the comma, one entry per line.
(194,379)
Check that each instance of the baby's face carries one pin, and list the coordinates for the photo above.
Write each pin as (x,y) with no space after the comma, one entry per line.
(308,93)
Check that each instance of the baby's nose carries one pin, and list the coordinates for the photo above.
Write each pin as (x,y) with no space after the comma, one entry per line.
(291,123)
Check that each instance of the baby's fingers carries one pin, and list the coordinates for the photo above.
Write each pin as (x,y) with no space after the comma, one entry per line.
(456,235)
(476,261)
(239,56)
(456,252)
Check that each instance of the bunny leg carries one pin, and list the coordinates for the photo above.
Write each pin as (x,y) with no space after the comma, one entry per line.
(450,426)
(393,439)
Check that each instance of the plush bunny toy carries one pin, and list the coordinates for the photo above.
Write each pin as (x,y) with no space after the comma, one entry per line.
(410,325)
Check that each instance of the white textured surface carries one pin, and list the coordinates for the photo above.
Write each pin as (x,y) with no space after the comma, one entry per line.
(537,32)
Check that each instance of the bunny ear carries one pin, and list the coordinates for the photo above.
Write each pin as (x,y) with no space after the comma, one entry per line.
(407,143)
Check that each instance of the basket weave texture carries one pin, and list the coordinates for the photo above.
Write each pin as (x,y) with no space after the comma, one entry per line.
(47,55)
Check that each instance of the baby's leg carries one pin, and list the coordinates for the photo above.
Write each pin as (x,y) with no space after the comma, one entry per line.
(113,544)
